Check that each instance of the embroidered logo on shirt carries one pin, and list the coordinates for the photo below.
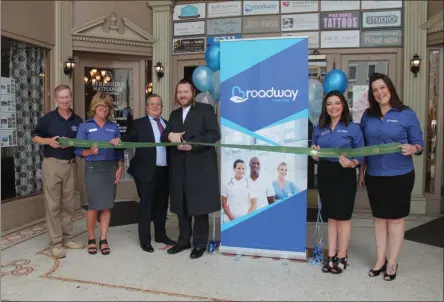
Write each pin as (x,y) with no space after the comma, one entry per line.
(110,130)
(92,130)
(74,128)
(344,131)
(325,132)
(392,121)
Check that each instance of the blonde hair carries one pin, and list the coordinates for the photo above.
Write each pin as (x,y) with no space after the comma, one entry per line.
(101,98)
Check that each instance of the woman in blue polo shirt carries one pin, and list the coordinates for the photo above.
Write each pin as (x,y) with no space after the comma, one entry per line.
(103,168)
(337,181)
(390,177)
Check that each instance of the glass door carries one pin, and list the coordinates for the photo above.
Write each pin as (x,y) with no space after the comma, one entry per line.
(359,68)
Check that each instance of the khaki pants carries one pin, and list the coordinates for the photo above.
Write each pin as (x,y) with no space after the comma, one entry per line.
(59,188)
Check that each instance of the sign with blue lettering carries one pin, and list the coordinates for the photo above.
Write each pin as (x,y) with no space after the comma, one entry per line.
(216,39)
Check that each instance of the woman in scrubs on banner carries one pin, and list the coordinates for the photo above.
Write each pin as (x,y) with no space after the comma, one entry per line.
(282,187)
(237,197)
(337,179)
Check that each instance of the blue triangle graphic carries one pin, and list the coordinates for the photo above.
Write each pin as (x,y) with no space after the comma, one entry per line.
(253,52)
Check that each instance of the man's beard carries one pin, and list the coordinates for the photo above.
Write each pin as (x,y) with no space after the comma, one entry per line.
(187,103)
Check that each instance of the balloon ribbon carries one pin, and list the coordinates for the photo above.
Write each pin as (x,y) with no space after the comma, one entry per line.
(324,152)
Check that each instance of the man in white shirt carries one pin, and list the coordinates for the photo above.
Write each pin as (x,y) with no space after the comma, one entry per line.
(262,187)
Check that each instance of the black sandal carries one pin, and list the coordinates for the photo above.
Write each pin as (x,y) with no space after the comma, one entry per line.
(92,250)
(388,277)
(106,250)
(376,272)
(340,261)
(327,268)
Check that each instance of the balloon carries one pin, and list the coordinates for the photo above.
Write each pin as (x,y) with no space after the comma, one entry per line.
(215,88)
(202,78)
(212,57)
(206,98)
(335,79)
(315,98)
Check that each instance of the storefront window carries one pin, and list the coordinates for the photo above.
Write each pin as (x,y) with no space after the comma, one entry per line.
(22,105)
(432,121)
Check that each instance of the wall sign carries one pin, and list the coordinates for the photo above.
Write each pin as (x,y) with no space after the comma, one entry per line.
(340,20)
(261,24)
(340,39)
(313,37)
(369,4)
(189,11)
(381,38)
(224,9)
(224,26)
(261,7)
(382,19)
(189,28)
(216,39)
(331,5)
(300,22)
(188,45)
(299,6)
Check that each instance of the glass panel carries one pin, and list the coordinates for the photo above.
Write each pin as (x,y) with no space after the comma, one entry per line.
(21,107)
(432,120)
(118,82)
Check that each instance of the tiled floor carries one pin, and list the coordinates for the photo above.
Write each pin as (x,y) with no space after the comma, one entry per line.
(29,273)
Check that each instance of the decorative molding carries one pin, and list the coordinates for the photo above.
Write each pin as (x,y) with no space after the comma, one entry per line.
(159,6)
(112,30)
(435,23)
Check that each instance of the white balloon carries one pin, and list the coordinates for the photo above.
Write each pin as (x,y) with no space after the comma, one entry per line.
(206,98)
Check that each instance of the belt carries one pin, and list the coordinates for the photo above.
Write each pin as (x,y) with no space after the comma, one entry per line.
(65,161)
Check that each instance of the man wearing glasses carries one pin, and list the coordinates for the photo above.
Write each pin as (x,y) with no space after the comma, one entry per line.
(149,168)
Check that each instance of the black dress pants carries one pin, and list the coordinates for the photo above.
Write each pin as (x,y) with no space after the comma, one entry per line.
(199,232)
(153,205)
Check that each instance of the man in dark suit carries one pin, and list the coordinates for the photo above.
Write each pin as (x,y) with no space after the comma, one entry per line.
(194,172)
(149,168)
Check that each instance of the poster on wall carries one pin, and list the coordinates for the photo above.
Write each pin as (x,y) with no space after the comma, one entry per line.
(118,82)
(188,45)
(8,125)
(340,20)
(262,107)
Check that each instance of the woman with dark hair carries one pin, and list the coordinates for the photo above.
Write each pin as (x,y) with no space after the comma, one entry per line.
(337,181)
(194,175)
(238,198)
(389,178)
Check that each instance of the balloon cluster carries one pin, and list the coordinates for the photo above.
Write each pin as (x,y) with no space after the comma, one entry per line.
(207,77)
(335,79)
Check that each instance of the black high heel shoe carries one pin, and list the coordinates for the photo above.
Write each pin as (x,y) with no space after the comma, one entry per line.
(375,273)
(92,249)
(337,269)
(388,277)
(105,250)
(327,268)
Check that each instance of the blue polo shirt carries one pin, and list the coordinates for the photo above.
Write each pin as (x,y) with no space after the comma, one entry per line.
(53,124)
(91,131)
(397,126)
(341,136)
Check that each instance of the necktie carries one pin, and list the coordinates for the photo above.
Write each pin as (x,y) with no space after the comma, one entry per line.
(159,125)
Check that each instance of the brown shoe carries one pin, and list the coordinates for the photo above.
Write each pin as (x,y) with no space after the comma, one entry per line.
(58,252)
(73,245)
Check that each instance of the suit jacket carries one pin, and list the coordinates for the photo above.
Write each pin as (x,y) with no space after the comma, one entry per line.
(195,173)
(143,164)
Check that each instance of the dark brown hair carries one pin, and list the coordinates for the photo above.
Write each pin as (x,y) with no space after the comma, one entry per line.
(193,90)
(395,102)
(325,119)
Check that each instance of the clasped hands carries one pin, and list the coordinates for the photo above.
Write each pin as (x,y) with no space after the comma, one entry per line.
(344,161)
(177,138)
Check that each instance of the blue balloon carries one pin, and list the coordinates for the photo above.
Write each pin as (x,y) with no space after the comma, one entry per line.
(202,78)
(212,57)
(336,79)
(315,98)
(215,88)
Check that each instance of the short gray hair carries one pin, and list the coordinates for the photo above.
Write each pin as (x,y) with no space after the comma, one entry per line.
(154,96)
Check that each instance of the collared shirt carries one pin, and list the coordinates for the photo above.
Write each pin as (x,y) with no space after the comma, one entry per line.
(397,126)
(53,124)
(185,111)
(239,194)
(262,188)
(161,153)
(90,130)
(341,136)
(288,190)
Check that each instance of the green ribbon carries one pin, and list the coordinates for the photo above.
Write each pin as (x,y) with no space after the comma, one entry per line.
(324,152)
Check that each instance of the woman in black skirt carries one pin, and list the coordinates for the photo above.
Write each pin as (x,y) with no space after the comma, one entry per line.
(103,168)
(390,177)
(337,181)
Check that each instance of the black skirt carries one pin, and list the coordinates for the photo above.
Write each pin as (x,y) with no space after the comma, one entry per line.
(390,195)
(337,190)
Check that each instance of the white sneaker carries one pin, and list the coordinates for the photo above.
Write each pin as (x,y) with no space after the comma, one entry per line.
(58,252)
(73,245)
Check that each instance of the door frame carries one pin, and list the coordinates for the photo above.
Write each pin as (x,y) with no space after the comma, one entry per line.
(126,189)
